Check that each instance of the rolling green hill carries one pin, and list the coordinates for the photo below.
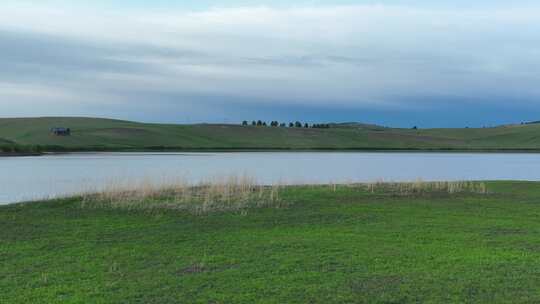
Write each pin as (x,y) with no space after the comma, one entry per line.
(106,134)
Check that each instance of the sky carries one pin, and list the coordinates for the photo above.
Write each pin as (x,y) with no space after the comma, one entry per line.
(391,62)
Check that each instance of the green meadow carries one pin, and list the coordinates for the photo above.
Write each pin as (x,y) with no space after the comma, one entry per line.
(92,134)
(441,243)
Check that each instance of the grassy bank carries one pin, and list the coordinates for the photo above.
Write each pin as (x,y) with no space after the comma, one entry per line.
(376,243)
(91,134)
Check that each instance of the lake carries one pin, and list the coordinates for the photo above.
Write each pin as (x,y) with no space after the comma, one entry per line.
(29,178)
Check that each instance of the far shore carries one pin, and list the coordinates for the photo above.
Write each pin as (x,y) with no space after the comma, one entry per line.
(18,137)
(274,150)
(19,154)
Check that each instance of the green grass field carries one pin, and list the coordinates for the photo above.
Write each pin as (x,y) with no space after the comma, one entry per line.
(104,134)
(326,245)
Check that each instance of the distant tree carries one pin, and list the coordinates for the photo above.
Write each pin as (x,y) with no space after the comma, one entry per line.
(415,128)
(259,123)
(298,124)
(254,123)
(282,125)
(306,125)
(291,125)
(244,123)
(264,124)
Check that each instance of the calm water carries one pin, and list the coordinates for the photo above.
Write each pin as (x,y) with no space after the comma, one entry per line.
(28,178)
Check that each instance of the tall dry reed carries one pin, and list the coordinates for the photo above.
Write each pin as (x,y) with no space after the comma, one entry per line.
(241,193)
(423,187)
(221,194)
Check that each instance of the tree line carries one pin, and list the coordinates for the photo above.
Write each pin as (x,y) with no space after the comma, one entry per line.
(297,124)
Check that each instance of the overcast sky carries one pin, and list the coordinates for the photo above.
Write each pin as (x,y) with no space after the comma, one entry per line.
(396,63)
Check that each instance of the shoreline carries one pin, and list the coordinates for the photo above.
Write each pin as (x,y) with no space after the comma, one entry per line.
(274,150)
(78,195)
(20,154)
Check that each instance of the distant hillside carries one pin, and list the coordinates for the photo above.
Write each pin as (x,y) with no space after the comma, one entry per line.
(106,134)
(5,142)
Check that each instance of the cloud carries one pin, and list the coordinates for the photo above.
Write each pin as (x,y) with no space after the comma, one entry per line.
(355,56)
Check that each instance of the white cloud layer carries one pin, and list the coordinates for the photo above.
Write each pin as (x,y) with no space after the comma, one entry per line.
(345,56)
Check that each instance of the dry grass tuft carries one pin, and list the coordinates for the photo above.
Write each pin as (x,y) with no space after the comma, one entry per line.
(242,193)
(225,194)
(422,187)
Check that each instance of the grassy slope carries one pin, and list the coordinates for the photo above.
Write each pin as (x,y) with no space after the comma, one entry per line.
(5,141)
(327,247)
(89,133)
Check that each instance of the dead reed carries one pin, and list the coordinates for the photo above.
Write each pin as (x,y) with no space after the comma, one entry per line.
(242,193)
(423,187)
(218,195)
